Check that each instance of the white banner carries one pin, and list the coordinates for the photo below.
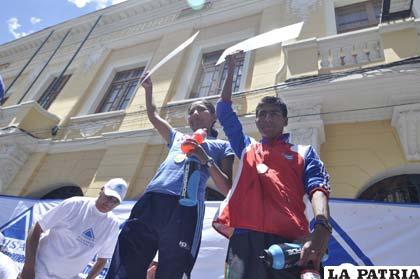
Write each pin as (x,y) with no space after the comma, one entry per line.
(365,233)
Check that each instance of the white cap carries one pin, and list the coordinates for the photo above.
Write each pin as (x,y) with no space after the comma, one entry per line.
(116,187)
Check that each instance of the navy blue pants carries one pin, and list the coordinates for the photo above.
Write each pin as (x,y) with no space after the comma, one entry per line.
(243,257)
(158,222)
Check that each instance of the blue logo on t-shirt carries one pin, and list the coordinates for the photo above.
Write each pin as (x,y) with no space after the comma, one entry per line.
(89,234)
(87,238)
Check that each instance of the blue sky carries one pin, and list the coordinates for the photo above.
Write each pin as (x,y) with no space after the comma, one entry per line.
(21,17)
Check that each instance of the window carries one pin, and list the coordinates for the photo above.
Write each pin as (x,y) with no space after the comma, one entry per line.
(358,16)
(52,91)
(402,188)
(121,91)
(210,78)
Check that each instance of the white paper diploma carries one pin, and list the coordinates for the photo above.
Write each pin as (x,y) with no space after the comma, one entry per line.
(266,39)
(170,55)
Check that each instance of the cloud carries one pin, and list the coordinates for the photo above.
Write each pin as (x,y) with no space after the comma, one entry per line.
(35,20)
(100,4)
(14,25)
(117,1)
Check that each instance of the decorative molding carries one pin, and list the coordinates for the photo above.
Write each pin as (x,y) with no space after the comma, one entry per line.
(305,124)
(406,119)
(12,157)
(93,58)
(94,124)
(7,114)
(313,135)
(128,23)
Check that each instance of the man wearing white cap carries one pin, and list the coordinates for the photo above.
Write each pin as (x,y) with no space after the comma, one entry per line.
(70,235)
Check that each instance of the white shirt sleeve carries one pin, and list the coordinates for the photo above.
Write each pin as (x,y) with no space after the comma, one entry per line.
(57,215)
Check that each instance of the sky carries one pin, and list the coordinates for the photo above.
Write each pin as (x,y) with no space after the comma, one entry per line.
(19,18)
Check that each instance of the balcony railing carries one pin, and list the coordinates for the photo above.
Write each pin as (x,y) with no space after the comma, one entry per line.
(351,49)
(93,125)
(361,48)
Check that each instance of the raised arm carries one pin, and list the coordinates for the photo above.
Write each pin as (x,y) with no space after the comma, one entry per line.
(225,114)
(227,87)
(163,127)
(32,241)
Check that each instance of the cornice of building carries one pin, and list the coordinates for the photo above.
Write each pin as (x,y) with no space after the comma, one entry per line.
(135,20)
(359,97)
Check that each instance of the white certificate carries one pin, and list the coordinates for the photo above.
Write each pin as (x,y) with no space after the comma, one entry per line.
(266,39)
(171,55)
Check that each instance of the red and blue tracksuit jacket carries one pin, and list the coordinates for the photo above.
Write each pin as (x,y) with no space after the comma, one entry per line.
(271,200)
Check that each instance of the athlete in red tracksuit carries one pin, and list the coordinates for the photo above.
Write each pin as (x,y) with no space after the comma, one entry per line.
(266,204)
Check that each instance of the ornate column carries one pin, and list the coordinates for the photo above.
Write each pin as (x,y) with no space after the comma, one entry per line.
(406,119)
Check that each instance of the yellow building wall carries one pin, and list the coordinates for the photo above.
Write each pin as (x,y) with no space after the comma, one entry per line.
(269,61)
(401,44)
(18,89)
(151,159)
(122,161)
(356,153)
(22,180)
(62,169)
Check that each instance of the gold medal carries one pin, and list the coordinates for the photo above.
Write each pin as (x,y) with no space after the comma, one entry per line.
(179,158)
(262,168)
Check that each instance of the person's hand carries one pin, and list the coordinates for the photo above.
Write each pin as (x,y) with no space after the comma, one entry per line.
(314,249)
(151,272)
(231,60)
(147,83)
(197,150)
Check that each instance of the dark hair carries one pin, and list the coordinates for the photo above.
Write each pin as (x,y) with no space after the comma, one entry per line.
(213,132)
(272,100)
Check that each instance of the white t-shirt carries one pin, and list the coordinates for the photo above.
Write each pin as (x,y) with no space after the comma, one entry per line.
(74,232)
(8,268)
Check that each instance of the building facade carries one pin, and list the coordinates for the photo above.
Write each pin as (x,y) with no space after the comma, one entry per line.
(73,115)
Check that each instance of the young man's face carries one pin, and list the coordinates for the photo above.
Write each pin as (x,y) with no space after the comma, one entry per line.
(106,203)
(270,121)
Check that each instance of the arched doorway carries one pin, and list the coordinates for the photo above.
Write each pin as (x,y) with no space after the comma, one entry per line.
(403,188)
(64,193)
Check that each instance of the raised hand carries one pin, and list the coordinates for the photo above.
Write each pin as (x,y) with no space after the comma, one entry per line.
(147,83)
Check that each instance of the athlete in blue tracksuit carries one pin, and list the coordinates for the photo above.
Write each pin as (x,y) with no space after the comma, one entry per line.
(158,221)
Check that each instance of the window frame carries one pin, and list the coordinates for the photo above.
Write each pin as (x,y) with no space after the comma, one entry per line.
(125,85)
(369,8)
(105,77)
(221,72)
(185,86)
(45,92)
